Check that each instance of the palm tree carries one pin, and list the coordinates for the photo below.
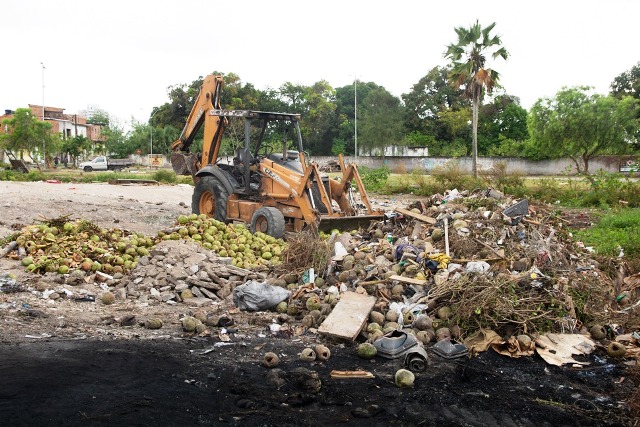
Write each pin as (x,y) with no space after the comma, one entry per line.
(468,69)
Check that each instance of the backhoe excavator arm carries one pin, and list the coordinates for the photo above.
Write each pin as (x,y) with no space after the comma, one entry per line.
(208,99)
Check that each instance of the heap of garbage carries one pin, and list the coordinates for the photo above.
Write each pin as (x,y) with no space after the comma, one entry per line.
(460,271)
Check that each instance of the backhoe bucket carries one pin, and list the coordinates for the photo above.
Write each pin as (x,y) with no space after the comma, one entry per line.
(184,163)
(347,223)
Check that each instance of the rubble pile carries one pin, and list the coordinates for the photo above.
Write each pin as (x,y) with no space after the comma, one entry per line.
(459,263)
(182,271)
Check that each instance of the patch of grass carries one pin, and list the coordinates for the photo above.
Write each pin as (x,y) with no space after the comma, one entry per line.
(617,229)
(165,176)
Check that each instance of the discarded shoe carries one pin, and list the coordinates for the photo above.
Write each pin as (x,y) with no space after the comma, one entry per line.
(398,344)
(449,349)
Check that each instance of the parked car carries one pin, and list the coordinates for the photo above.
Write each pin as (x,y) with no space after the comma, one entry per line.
(103,163)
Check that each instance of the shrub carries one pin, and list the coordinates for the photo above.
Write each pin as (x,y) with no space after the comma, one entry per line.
(164,175)
(374,179)
(498,177)
(450,176)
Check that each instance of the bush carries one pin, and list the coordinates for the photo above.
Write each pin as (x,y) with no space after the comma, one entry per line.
(498,177)
(374,179)
(10,175)
(35,176)
(450,176)
(164,175)
(610,189)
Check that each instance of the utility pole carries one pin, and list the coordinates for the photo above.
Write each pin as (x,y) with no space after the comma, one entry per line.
(355,114)
(151,142)
(44,150)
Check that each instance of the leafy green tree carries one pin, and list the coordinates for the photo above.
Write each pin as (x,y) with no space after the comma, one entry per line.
(28,135)
(628,84)
(163,137)
(345,119)
(319,124)
(99,117)
(427,99)
(456,124)
(581,125)
(118,143)
(75,147)
(382,124)
(469,70)
(502,119)
(293,96)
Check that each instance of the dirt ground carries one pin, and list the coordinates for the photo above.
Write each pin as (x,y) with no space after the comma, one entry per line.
(76,362)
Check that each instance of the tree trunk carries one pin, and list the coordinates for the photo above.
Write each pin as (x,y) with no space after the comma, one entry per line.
(474,142)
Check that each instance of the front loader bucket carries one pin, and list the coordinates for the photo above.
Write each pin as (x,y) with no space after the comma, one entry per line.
(184,163)
(347,223)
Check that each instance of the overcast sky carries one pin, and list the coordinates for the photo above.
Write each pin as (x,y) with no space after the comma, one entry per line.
(121,56)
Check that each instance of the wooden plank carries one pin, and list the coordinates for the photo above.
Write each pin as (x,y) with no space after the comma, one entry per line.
(417,216)
(348,316)
(121,181)
(408,280)
(351,374)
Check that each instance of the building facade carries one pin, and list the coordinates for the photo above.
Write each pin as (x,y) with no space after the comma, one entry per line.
(68,125)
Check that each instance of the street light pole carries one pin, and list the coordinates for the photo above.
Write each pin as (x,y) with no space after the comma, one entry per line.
(151,141)
(355,114)
(44,150)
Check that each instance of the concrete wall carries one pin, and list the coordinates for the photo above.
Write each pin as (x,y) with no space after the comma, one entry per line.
(514,165)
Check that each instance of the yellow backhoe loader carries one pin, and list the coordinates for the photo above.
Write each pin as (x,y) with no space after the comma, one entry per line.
(269,184)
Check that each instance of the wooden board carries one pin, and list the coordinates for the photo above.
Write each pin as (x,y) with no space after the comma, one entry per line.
(407,280)
(121,181)
(417,216)
(348,316)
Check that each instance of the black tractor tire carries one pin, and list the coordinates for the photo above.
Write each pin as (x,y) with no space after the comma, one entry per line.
(210,198)
(269,221)
(87,169)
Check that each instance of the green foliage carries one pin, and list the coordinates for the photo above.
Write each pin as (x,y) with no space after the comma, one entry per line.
(469,69)
(617,229)
(450,176)
(76,146)
(99,117)
(338,147)
(27,134)
(10,175)
(608,189)
(165,176)
(507,182)
(118,144)
(374,179)
(31,176)
(581,125)
(382,120)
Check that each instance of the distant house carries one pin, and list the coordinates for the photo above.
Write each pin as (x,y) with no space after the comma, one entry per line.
(68,125)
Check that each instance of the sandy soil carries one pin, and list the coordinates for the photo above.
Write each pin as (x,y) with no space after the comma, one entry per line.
(74,362)
(142,208)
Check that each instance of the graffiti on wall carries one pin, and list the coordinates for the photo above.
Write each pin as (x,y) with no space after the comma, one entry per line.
(430,163)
